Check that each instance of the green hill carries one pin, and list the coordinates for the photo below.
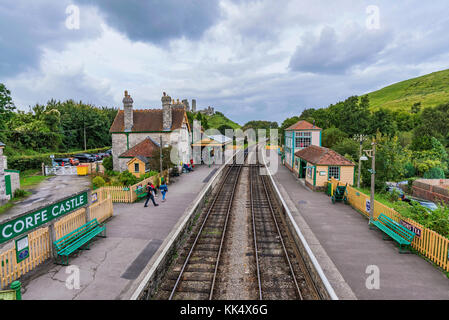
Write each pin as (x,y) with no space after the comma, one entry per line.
(218,119)
(431,90)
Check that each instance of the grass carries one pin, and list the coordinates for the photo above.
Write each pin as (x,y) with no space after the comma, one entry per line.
(11,203)
(217,120)
(381,197)
(31,178)
(431,90)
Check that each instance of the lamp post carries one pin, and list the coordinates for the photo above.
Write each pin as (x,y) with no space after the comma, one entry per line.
(372,154)
(361,138)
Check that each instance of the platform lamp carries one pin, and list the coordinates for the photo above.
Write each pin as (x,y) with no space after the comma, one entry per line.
(360,138)
(372,154)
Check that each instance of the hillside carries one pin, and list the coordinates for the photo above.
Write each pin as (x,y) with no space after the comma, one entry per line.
(218,119)
(431,90)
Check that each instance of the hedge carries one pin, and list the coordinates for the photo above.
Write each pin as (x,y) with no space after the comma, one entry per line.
(23,163)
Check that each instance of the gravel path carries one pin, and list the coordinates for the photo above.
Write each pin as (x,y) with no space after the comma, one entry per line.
(236,276)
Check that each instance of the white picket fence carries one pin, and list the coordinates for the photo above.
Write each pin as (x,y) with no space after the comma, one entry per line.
(61,171)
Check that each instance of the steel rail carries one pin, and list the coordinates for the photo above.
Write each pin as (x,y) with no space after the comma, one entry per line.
(282,241)
(231,167)
(251,177)
(200,231)
(231,200)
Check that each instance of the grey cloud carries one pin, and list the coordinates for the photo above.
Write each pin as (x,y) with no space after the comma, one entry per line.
(27,27)
(158,20)
(333,53)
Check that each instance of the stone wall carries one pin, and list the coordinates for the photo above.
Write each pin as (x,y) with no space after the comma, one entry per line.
(119,145)
(435,190)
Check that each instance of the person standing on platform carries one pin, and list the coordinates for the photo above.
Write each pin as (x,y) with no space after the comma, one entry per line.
(150,195)
(164,189)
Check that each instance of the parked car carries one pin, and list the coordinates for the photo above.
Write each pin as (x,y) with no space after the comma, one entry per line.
(62,161)
(425,203)
(109,152)
(85,157)
(409,199)
(74,161)
(104,155)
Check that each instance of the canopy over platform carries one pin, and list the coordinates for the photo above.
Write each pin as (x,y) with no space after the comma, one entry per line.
(207,142)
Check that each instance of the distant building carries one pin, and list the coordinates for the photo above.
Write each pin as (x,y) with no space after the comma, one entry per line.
(316,165)
(132,128)
(209,111)
(299,136)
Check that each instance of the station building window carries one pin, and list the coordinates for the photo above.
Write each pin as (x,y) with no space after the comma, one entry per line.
(303,139)
(334,172)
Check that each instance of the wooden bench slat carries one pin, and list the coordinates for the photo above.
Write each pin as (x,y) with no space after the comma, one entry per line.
(396,231)
(70,249)
(78,237)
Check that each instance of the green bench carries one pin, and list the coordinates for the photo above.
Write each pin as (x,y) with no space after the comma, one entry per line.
(141,193)
(76,239)
(395,231)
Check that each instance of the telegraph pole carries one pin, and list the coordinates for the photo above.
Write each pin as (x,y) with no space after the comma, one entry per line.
(361,139)
(160,157)
(372,154)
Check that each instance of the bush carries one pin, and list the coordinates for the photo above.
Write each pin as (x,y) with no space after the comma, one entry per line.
(19,193)
(410,170)
(98,182)
(434,173)
(107,163)
(23,163)
(126,178)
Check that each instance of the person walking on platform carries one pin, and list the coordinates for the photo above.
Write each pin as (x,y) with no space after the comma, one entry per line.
(154,190)
(150,195)
(164,189)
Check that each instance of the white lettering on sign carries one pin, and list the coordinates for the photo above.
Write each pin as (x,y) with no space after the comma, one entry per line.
(4,234)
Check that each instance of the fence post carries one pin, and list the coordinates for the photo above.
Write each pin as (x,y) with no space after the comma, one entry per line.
(52,235)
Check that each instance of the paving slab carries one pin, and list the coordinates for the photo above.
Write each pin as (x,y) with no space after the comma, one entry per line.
(134,233)
(352,247)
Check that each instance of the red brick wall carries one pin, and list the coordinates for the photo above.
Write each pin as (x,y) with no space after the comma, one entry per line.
(429,192)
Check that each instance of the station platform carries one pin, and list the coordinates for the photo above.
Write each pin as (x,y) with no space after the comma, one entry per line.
(345,246)
(112,264)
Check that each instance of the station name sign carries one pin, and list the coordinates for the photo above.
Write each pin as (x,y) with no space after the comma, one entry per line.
(32,220)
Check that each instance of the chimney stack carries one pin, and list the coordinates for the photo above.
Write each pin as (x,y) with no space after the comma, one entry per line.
(185,102)
(193,105)
(166,112)
(128,111)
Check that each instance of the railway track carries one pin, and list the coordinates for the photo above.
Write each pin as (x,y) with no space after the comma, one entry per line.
(279,270)
(197,276)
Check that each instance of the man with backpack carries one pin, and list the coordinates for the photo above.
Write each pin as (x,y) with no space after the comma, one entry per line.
(150,195)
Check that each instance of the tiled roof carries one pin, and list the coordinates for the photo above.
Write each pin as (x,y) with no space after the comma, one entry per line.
(303,125)
(148,120)
(144,149)
(323,156)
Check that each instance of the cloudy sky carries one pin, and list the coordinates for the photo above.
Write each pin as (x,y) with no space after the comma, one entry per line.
(252,60)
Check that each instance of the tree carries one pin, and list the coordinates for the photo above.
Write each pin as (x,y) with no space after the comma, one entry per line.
(382,120)
(390,162)
(287,123)
(349,147)
(332,136)
(154,161)
(6,109)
